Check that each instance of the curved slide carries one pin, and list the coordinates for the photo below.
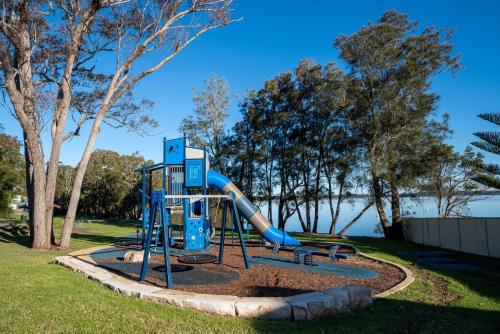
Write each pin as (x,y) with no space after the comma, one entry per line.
(250,212)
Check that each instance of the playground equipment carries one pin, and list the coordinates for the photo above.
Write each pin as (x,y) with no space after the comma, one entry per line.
(185,183)
(184,188)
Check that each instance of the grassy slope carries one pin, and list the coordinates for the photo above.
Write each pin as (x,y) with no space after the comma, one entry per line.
(41,297)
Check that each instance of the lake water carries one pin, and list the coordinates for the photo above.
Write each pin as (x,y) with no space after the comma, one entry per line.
(366,225)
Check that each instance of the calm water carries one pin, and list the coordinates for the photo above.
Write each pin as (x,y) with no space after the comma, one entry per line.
(366,225)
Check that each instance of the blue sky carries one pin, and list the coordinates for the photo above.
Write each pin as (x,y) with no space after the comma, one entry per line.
(275,35)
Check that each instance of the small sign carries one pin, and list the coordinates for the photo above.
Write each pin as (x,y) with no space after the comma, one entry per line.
(194,173)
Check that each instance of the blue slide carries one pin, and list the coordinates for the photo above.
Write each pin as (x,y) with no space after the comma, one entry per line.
(250,211)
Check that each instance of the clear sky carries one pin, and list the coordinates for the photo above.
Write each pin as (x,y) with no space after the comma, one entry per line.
(275,35)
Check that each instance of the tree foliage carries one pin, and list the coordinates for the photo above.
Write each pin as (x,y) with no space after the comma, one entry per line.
(206,128)
(295,135)
(309,134)
(451,180)
(110,185)
(391,63)
(49,52)
(489,142)
(11,171)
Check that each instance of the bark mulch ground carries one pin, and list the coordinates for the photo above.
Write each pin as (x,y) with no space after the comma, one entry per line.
(273,281)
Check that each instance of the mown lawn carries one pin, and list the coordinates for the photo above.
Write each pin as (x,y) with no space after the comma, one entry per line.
(40,297)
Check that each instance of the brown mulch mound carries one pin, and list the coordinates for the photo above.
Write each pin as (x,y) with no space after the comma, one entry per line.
(274,281)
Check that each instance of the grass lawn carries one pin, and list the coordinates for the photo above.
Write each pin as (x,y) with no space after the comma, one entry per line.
(40,297)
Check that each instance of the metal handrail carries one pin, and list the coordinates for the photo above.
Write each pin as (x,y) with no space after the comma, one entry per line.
(197,196)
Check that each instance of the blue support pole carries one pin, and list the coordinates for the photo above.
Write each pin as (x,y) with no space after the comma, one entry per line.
(147,246)
(187,208)
(237,224)
(223,233)
(248,231)
(158,204)
(232,228)
(157,235)
(166,244)
(164,168)
(150,183)
(143,235)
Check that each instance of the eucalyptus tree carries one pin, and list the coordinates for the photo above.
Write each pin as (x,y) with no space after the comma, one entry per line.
(451,180)
(207,127)
(242,146)
(65,176)
(280,89)
(393,62)
(11,170)
(49,52)
(489,142)
(110,185)
(265,104)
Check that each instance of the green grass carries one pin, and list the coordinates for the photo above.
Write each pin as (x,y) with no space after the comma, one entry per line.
(40,297)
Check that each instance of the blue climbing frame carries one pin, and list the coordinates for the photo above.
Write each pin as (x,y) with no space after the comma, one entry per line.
(184,188)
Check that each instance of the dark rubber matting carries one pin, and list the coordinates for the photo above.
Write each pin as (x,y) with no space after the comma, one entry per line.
(441,260)
(181,273)
(317,267)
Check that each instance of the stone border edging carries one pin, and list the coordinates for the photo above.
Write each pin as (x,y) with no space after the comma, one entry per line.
(305,306)
(409,277)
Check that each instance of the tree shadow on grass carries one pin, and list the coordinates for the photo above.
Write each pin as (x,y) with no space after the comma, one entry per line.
(485,281)
(11,233)
(108,221)
(394,316)
(94,238)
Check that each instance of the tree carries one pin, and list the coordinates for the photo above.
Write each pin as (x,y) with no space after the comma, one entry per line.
(48,52)
(391,65)
(111,184)
(11,171)
(294,136)
(241,147)
(65,176)
(489,142)
(206,128)
(451,181)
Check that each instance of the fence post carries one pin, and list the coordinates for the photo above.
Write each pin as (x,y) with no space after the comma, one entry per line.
(487,238)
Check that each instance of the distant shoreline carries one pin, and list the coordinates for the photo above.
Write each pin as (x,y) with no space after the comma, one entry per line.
(475,193)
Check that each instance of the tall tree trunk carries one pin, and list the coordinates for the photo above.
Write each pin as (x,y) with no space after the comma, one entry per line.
(18,82)
(352,222)
(317,193)
(80,173)
(335,216)
(284,197)
(41,239)
(299,215)
(281,221)
(307,197)
(270,208)
(53,167)
(395,204)
(377,196)
(29,189)
(396,229)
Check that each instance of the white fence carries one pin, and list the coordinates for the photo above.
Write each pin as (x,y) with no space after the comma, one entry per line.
(471,235)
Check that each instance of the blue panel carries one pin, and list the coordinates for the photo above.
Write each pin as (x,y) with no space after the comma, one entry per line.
(194,173)
(174,151)
(195,234)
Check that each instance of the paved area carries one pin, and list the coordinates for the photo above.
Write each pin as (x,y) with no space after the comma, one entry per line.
(441,260)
